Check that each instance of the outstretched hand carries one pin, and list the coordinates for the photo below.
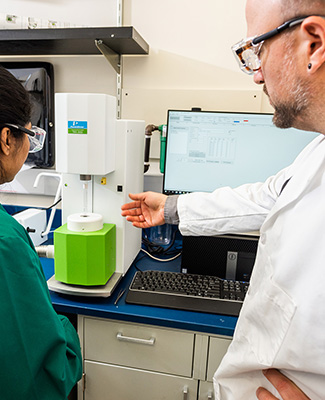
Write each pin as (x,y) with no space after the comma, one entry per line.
(286,388)
(146,209)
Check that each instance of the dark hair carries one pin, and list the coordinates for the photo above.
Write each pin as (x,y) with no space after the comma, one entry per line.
(15,108)
(15,104)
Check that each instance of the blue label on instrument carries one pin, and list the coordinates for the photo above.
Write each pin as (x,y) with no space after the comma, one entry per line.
(78,127)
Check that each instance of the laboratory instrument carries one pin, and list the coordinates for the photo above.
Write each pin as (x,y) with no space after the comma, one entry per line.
(101,162)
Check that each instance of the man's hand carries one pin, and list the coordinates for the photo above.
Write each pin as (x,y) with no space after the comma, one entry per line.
(287,389)
(146,209)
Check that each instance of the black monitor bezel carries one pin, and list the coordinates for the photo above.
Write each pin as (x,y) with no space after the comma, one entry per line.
(46,157)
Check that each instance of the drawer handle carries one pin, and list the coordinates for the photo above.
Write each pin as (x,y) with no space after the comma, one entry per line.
(185,393)
(148,342)
(210,396)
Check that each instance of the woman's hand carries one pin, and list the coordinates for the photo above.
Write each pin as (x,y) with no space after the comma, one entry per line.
(286,388)
(146,209)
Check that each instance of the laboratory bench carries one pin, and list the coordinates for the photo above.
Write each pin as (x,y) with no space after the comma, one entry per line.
(132,351)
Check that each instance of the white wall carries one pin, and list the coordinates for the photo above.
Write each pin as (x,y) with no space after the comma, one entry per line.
(76,12)
(199,32)
(190,61)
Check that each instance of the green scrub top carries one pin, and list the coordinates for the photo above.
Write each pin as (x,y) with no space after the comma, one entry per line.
(40,350)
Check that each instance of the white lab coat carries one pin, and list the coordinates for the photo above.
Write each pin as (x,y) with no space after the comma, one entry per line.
(282,322)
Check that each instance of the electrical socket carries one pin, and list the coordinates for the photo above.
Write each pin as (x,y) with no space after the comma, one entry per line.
(34,221)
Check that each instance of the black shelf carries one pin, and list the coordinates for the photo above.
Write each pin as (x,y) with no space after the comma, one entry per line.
(71,41)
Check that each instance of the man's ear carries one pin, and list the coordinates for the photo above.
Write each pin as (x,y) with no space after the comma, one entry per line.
(5,141)
(313,32)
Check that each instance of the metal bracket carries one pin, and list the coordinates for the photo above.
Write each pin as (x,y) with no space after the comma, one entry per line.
(113,58)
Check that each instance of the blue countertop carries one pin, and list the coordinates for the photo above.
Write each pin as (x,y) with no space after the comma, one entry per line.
(105,307)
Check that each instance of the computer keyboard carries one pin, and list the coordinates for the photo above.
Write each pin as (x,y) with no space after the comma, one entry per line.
(192,292)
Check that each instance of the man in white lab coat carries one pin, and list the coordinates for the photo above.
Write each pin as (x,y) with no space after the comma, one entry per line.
(282,322)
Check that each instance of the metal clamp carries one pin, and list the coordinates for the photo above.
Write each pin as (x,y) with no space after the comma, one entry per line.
(148,342)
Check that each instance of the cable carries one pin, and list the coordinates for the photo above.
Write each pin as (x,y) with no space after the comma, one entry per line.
(161,259)
(40,208)
(136,261)
(53,205)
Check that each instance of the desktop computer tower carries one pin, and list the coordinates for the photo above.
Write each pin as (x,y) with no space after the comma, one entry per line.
(227,256)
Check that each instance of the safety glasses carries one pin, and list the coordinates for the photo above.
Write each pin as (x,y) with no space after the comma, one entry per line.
(247,51)
(36,136)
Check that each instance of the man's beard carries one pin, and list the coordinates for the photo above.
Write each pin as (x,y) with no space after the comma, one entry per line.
(287,112)
(296,93)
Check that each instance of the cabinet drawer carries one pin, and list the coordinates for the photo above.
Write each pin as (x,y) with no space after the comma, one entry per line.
(111,382)
(217,349)
(139,346)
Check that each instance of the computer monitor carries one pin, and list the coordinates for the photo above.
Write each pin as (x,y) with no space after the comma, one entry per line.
(206,150)
(38,79)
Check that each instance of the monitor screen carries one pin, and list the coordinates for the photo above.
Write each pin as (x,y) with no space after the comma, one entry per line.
(209,150)
(38,79)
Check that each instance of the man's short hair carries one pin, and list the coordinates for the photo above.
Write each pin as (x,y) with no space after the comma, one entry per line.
(296,8)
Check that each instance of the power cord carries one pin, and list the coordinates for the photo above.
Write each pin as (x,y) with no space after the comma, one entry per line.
(161,259)
(53,205)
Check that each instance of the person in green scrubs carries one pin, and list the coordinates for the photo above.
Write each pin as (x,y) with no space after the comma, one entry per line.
(39,350)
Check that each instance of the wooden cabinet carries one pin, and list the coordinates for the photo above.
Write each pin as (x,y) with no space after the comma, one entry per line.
(132,361)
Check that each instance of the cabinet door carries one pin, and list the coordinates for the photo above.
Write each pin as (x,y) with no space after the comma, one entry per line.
(217,349)
(111,382)
(206,391)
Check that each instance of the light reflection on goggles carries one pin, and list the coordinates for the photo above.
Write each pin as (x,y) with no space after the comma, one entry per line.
(247,55)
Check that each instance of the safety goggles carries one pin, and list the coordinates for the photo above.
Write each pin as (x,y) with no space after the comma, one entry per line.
(247,51)
(36,136)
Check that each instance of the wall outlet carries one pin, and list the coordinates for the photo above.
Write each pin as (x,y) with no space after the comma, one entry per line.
(34,221)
